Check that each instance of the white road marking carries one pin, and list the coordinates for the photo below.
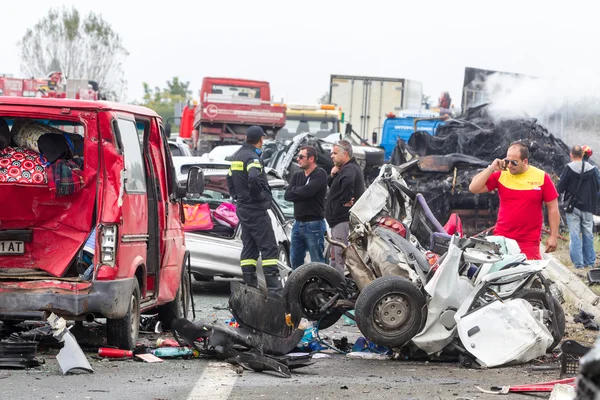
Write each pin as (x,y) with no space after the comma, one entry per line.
(215,383)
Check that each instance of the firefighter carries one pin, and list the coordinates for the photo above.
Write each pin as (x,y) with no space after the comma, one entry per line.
(250,190)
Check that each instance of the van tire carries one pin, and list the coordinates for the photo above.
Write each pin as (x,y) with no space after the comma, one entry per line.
(537,298)
(179,307)
(123,332)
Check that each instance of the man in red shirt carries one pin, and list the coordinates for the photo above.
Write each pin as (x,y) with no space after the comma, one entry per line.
(522,189)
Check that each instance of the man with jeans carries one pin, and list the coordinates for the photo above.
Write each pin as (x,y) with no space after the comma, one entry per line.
(580,180)
(346,185)
(307,189)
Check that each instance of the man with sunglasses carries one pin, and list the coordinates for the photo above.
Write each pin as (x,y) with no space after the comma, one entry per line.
(307,190)
(522,189)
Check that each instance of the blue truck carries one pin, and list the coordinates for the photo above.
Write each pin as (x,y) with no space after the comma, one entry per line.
(404,125)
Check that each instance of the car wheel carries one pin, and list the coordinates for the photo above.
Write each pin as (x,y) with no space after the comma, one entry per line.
(282,255)
(310,286)
(123,332)
(537,298)
(388,311)
(179,307)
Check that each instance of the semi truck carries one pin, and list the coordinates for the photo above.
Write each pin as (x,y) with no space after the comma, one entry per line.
(228,106)
(366,101)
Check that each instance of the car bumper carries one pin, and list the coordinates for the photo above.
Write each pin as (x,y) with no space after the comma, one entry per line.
(34,299)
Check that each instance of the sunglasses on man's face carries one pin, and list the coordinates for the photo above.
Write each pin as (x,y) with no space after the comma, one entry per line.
(513,162)
(300,156)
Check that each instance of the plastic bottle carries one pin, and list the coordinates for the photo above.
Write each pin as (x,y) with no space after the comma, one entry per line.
(175,352)
(109,352)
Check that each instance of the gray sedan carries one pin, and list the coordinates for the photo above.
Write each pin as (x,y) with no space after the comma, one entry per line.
(216,252)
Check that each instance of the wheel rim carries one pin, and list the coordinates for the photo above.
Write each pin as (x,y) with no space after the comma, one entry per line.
(391,311)
(135,318)
(315,293)
(539,305)
(283,257)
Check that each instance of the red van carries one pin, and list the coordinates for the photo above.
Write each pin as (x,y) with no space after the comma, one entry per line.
(90,217)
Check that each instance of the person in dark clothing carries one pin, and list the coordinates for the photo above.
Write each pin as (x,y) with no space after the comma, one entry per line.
(581,180)
(249,187)
(346,185)
(307,190)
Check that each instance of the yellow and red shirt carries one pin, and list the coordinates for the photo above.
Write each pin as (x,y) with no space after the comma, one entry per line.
(521,197)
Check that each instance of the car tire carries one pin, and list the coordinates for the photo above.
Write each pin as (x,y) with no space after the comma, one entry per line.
(537,298)
(389,311)
(306,281)
(123,332)
(179,307)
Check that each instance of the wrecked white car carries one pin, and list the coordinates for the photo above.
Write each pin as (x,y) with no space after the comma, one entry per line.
(417,287)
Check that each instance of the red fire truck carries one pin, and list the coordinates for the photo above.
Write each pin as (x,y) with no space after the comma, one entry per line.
(54,85)
(228,107)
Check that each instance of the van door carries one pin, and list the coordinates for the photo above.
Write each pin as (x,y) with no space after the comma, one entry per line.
(134,227)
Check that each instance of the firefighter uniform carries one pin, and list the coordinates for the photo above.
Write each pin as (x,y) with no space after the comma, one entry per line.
(249,187)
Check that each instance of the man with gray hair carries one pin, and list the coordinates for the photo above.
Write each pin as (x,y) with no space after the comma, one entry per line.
(346,184)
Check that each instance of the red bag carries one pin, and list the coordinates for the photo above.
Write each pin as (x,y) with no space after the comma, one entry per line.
(197,217)
(225,215)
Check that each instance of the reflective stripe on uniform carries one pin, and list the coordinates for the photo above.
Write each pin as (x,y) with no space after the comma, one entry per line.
(237,166)
(247,262)
(269,262)
(254,165)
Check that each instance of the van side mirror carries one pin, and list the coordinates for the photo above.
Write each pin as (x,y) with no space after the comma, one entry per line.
(195,182)
(374,137)
(168,129)
(194,186)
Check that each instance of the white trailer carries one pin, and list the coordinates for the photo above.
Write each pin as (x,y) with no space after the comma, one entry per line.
(366,100)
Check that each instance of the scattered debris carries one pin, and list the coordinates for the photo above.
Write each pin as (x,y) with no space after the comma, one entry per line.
(109,352)
(70,358)
(531,388)
(587,320)
(18,354)
(149,358)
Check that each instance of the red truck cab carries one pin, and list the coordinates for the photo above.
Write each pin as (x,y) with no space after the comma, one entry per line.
(229,106)
(96,232)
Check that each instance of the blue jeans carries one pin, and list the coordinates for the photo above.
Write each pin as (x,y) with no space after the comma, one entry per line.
(308,236)
(581,248)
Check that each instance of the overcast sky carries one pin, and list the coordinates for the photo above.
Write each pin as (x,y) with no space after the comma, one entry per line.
(297,45)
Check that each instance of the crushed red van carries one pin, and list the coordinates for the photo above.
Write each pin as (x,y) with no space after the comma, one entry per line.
(90,222)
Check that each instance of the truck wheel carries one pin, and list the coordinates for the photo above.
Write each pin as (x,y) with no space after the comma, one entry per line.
(123,332)
(179,307)
(537,298)
(388,311)
(312,285)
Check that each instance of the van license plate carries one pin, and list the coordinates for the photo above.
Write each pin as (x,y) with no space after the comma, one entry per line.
(12,247)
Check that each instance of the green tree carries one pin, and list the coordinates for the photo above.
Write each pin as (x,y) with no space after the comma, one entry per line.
(81,48)
(324,99)
(163,101)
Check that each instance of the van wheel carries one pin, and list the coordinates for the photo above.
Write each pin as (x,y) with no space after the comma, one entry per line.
(123,332)
(179,307)
(537,298)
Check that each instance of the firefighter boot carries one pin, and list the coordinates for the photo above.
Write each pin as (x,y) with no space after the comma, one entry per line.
(250,278)
(273,282)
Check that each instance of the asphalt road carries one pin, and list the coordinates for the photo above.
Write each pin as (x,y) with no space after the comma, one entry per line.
(334,377)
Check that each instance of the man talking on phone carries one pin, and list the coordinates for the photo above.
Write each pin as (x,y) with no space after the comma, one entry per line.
(522,190)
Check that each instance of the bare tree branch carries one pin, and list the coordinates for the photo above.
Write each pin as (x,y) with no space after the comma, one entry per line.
(81,48)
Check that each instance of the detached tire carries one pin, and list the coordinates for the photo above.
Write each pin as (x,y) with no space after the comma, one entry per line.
(179,307)
(123,332)
(537,298)
(312,285)
(389,311)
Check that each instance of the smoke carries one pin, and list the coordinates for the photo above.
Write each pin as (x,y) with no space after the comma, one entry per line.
(568,107)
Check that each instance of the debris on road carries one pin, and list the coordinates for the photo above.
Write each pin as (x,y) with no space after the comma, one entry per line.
(70,358)
(587,320)
(531,388)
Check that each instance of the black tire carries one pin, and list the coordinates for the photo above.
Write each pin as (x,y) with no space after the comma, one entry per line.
(389,311)
(179,307)
(311,285)
(537,298)
(123,332)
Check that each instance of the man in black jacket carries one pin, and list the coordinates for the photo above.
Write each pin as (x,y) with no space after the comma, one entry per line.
(581,180)
(307,190)
(249,187)
(346,185)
